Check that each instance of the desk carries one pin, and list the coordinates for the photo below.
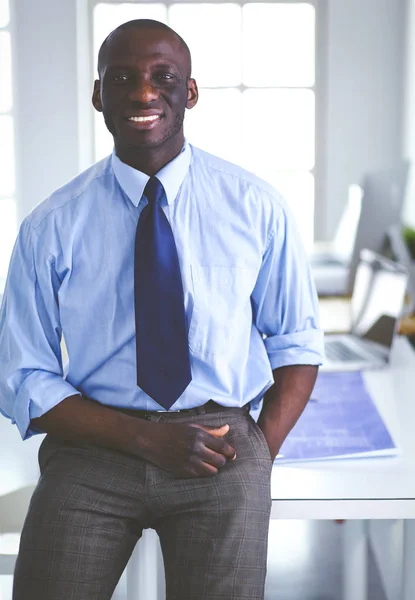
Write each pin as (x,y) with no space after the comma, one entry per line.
(363,489)
(357,490)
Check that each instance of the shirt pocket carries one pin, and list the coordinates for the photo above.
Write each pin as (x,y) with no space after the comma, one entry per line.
(222,313)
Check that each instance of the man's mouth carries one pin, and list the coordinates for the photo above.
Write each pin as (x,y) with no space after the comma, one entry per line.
(149,119)
(143,122)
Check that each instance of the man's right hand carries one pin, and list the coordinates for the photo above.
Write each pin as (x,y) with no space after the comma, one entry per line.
(188,450)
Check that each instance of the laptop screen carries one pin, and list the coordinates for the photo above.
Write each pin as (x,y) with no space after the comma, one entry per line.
(378,297)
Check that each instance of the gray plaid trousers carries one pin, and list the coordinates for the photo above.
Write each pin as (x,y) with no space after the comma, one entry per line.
(91,505)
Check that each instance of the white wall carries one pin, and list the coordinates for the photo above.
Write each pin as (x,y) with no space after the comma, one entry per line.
(361,119)
(364,95)
(45,97)
(409,111)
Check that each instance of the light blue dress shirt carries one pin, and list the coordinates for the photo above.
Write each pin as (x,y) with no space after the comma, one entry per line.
(244,271)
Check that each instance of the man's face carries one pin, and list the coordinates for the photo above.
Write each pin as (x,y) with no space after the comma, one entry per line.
(143,90)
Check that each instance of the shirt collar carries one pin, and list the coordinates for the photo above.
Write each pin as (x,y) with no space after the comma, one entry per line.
(171,176)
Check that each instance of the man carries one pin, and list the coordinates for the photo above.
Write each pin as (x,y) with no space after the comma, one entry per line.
(165,288)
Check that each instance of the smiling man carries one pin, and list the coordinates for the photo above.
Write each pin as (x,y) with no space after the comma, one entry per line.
(143,91)
(185,299)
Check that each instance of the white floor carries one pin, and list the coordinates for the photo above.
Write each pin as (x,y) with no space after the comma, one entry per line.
(304,563)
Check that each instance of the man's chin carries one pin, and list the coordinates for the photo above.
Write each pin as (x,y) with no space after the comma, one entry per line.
(148,141)
(140,140)
(143,145)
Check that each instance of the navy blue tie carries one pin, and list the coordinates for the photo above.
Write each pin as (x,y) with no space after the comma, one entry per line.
(163,363)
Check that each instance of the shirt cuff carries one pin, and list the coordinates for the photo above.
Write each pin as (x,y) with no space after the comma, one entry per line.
(39,392)
(299,348)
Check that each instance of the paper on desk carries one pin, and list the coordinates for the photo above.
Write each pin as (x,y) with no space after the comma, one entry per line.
(341,422)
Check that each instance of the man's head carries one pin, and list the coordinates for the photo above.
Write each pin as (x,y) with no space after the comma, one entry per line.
(143,89)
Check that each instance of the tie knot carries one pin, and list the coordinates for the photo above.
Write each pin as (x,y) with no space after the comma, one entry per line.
(154,190)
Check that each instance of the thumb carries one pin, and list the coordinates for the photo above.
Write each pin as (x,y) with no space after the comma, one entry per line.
(216,431)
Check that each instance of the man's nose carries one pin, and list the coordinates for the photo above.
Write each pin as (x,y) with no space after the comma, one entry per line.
(143,91)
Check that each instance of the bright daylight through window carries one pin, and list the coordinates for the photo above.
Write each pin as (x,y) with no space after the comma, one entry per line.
(256,82)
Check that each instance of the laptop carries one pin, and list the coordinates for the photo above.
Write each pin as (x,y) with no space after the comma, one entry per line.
(376,305)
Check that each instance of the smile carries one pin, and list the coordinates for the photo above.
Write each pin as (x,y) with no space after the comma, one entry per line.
(149,119)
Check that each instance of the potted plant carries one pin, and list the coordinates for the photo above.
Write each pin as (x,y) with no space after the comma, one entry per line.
(408,234)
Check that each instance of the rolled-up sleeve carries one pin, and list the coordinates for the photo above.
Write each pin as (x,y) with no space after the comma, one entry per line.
(284,301)
(31,373)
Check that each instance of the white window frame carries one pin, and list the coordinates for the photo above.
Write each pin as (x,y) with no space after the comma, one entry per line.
(87,74)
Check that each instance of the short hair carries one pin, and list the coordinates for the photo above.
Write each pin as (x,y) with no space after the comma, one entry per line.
(142,24)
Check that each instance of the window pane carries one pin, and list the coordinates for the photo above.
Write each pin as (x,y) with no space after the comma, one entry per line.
(108,16)
(4,13)
(278,128)
(103,139)
(214,124)
(5,72)
(213,34)
(6,156)
(8,232)
(278,44)
(298,191)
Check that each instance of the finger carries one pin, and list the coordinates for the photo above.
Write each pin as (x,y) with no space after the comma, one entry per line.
(201,468)
(216,442)
(209,470)
(217,459)
(219,444)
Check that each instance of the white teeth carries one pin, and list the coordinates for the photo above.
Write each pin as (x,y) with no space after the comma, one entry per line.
(143,119)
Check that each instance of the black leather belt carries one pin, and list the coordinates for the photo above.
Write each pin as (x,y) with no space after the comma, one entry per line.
(209,407)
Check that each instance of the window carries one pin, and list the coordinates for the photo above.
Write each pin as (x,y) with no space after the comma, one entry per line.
(8,218)
(256,78)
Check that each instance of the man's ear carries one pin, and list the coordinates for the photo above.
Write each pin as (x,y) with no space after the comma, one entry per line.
(192,93)
(96,96)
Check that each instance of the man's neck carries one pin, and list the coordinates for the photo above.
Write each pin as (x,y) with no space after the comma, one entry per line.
(149,161)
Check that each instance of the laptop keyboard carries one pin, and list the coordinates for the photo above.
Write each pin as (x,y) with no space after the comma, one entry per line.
(338,351)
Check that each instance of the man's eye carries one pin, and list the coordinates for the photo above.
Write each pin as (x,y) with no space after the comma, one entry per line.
(120,78)
(165,76)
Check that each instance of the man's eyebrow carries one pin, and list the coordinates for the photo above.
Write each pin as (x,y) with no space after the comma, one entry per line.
(110,67)
(159,63)
(165,65)
(155,67)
